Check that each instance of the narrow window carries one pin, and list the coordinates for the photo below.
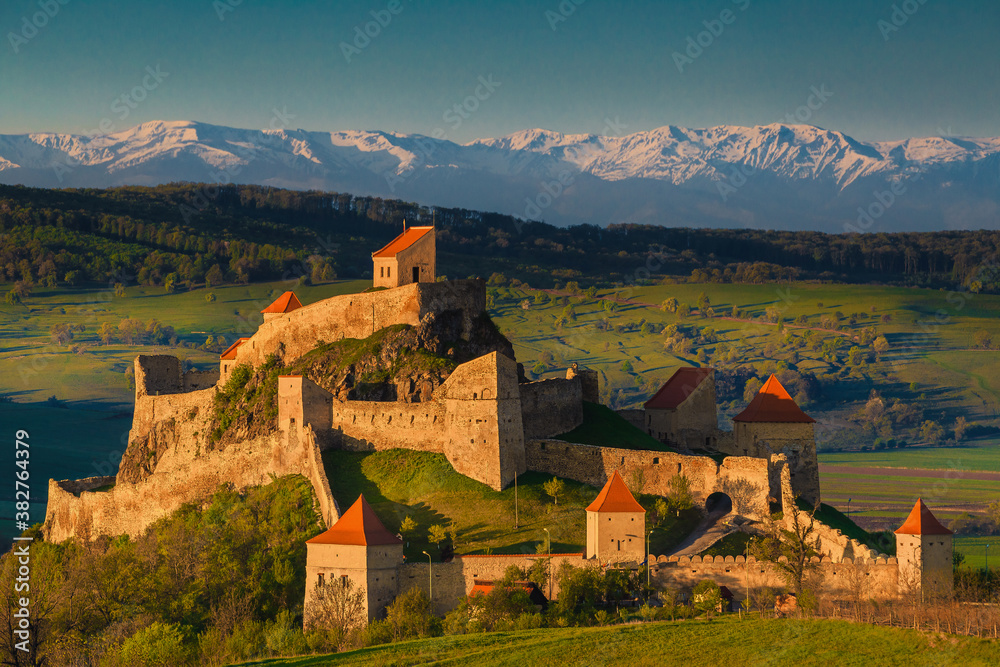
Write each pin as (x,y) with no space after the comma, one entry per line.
(381,272)
(322,578)
(388,272)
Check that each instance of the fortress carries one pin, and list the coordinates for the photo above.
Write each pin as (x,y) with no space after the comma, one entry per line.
(483,415)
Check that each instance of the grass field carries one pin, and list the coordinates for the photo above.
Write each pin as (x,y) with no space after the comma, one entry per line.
(725,641)
(974,550)
(399,483)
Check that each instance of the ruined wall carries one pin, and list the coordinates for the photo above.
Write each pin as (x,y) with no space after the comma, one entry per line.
(484,432)
(157,374)
(364,426)
(634,417)
(359,316)
(797,441)
(196,380)
(551,407)
(453,580)
(593,465)
(870,578)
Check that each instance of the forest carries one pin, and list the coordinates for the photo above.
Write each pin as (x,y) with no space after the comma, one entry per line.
(188,234)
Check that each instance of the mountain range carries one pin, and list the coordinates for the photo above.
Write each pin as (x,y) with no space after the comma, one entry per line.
(776,176)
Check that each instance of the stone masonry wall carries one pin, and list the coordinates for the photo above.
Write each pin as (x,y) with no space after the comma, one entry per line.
(593,465)
(359,316)
(551,407)
(363,426)
(453,580)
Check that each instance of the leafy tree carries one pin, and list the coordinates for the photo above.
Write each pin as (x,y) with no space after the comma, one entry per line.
(437,534)
(627,366)
(407,527)
(751,388)
(119,290)
(880,345)
(931,432)
(983,339)
(410,616)
(683,310)
(210,297)
(961,426)
(554,487)
(706,596)
(679,495)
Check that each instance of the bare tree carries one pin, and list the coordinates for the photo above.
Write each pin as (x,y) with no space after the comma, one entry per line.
(338,606)
(791,547)
(746,495)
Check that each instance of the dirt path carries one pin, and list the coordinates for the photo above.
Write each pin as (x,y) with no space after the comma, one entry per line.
(711,529)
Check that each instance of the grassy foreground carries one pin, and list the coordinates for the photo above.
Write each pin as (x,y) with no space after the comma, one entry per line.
(719,642)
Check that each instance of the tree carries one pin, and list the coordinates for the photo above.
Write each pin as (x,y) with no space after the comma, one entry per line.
(983,340)
(960,427)
(119,290)
(679,496)
(106,333)
(795,541)
(855,356)
(880,345)
(931,432)
(61,334)
(554,487)
(683,310)
(410,615)
(706,596)
(407,527)
(437,534)
(214,276)
(170,282)
(338,606)
(210,297)
(12,298)
(751,388)
(626,366)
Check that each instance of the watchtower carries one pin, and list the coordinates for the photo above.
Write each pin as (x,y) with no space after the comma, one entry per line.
(357,548)
(616,524)
(924,550)
(774,424)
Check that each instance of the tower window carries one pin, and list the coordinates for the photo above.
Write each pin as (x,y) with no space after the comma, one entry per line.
(322,578)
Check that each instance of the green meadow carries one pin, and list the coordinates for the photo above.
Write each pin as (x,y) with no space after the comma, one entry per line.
(723,641)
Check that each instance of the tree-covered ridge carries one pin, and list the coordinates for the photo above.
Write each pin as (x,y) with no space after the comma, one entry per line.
(180,234)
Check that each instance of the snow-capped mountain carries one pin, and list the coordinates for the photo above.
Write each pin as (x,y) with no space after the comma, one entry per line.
(772,176)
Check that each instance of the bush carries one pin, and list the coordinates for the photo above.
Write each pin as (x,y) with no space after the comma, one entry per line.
(157,644)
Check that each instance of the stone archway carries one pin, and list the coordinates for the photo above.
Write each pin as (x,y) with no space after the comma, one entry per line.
(719,504)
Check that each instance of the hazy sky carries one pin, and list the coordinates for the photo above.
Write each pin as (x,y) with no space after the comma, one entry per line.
(928,68)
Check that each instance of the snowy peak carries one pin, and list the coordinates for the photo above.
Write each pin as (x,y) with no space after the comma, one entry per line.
(651,175)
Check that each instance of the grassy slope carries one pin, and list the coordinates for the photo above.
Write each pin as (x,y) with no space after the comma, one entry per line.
(400,483)
(603,426)
(32,370)
(721,642)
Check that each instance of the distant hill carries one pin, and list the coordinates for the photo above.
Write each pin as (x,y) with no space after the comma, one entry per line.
(794,177)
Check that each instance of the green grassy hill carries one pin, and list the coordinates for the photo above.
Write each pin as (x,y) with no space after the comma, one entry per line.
(725,641)
(400,483)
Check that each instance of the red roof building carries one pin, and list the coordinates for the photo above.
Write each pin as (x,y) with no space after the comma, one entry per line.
(773,404)
(359,525)
(922,522)
(285,303)
(676,390)
(615,497)
(402,242)
(230,353)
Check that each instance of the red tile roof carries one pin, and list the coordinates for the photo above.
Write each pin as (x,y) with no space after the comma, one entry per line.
(922,522)
(615,497)
(402,242)
(285,303)
(358,525)
(230,352)
(676,390)
(773,404)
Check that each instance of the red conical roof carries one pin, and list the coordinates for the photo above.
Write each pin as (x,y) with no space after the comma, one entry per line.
(922,522)
(773,404)
(285,303)
(358,525)
(615,497)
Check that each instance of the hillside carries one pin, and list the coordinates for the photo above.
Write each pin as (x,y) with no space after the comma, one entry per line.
(723,641)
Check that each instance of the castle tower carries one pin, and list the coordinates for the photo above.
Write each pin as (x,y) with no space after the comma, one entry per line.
(411,257)
(683,411)
(774,424)
(227,360)
(924,550)
(484,427)
(359,548)
(285,303)
(616,524)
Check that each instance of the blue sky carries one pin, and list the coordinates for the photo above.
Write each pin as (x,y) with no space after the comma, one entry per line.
(926,69)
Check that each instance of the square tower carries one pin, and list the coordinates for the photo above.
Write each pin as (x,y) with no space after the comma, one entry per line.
(357,548)
(924,551)
(773,424)
(409,258)
(683,411)
(616,524)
